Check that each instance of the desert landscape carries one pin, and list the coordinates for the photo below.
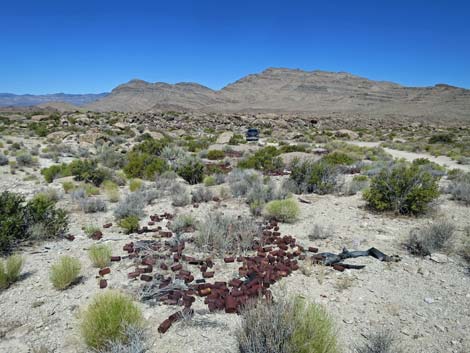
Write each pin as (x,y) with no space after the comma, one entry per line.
(159,230)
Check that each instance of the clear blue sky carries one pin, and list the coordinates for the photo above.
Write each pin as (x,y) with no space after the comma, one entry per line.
(93,45)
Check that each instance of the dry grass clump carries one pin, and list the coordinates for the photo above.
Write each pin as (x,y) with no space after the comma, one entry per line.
(430,239)
(111,189)
(100,255)
(320,232)
(286,326)
(287,210)
(65,272)
(223,233)
(10,270)
(379,342)
(92,205)
(182,223)
(201,194)
(459,188)
(106,321)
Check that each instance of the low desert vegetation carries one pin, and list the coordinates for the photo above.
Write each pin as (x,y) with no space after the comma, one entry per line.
(379,342)
(130,224)
(19,218)
(201,194)
(402,188)
(10,270)
(221,233)
(286,326)
(459,188)
(319,231)
(215,154)
(111,190)
(182,223)
(314,177)
(432,238)
(191,169)
(109,319)
(65,272)
(287,210)
(100,255)
(266,160)
(135,184)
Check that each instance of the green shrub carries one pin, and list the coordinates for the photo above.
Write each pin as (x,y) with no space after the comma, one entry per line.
(441,138)
(215,154)
(292,148)
(338,158)
(55,171)
(100,255)
(209,180)
(130,224)
(237,139)
(265,159)
(286,326)
(317,177)
(106,319)
(68,186)
(18,218)
(135,184)
(191,169)
(144,165)
(86,170)
(91,190)
(287,210)
(10,270)
(151,146)
(65,272)
(402,188)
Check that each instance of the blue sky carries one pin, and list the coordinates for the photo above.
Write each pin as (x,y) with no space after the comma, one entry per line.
(92,46)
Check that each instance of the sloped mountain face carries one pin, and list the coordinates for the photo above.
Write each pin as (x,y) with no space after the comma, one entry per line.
(138,95)
(287,90)
(24,100)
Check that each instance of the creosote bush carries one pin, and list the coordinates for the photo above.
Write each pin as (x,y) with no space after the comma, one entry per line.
(10,270)
(287,210)
(100,255)
(65,272)
(402,188)
(191,169)
(432,238)
(107,318)
(130,224)
(266,159)
(318,177)
(286,326)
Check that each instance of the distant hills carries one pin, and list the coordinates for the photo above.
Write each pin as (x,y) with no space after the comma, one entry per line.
(24,100)
(280,90)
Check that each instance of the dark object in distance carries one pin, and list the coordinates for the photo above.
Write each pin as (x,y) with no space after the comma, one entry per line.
(252,135)
(330,259)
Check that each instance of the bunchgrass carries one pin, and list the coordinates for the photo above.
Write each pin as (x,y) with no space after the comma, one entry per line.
(282,210)
(111,190)
(105,320)
(65,272)
(135,184)
(10,270)
(100,255)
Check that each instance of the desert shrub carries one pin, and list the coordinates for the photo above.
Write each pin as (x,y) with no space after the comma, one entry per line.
(180,195)
(64,272)
(54,172)
(144,165)
(68,186)
(172,154)
(195,145)
(132,205)
(92,205)
(237,139)
(10,270)
(135,184)
(320,232)
(338,158)
(287,210)
(90,190)
(100,255)
(379,342)
(24,160)
(13,225)
(3,159)
(432,238)
(209,180)
(107,319)
(110,158)
(135,342)
(182,223)
(224,233)
(286,326)
(130,224)
(111,190)
(87,170)
(402,188)
(358,183)
(317,177)
(191,169)
(151,146)
(292,148)
(215,154)
(201,194)
(266,159)
(441,138)
(459,188)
